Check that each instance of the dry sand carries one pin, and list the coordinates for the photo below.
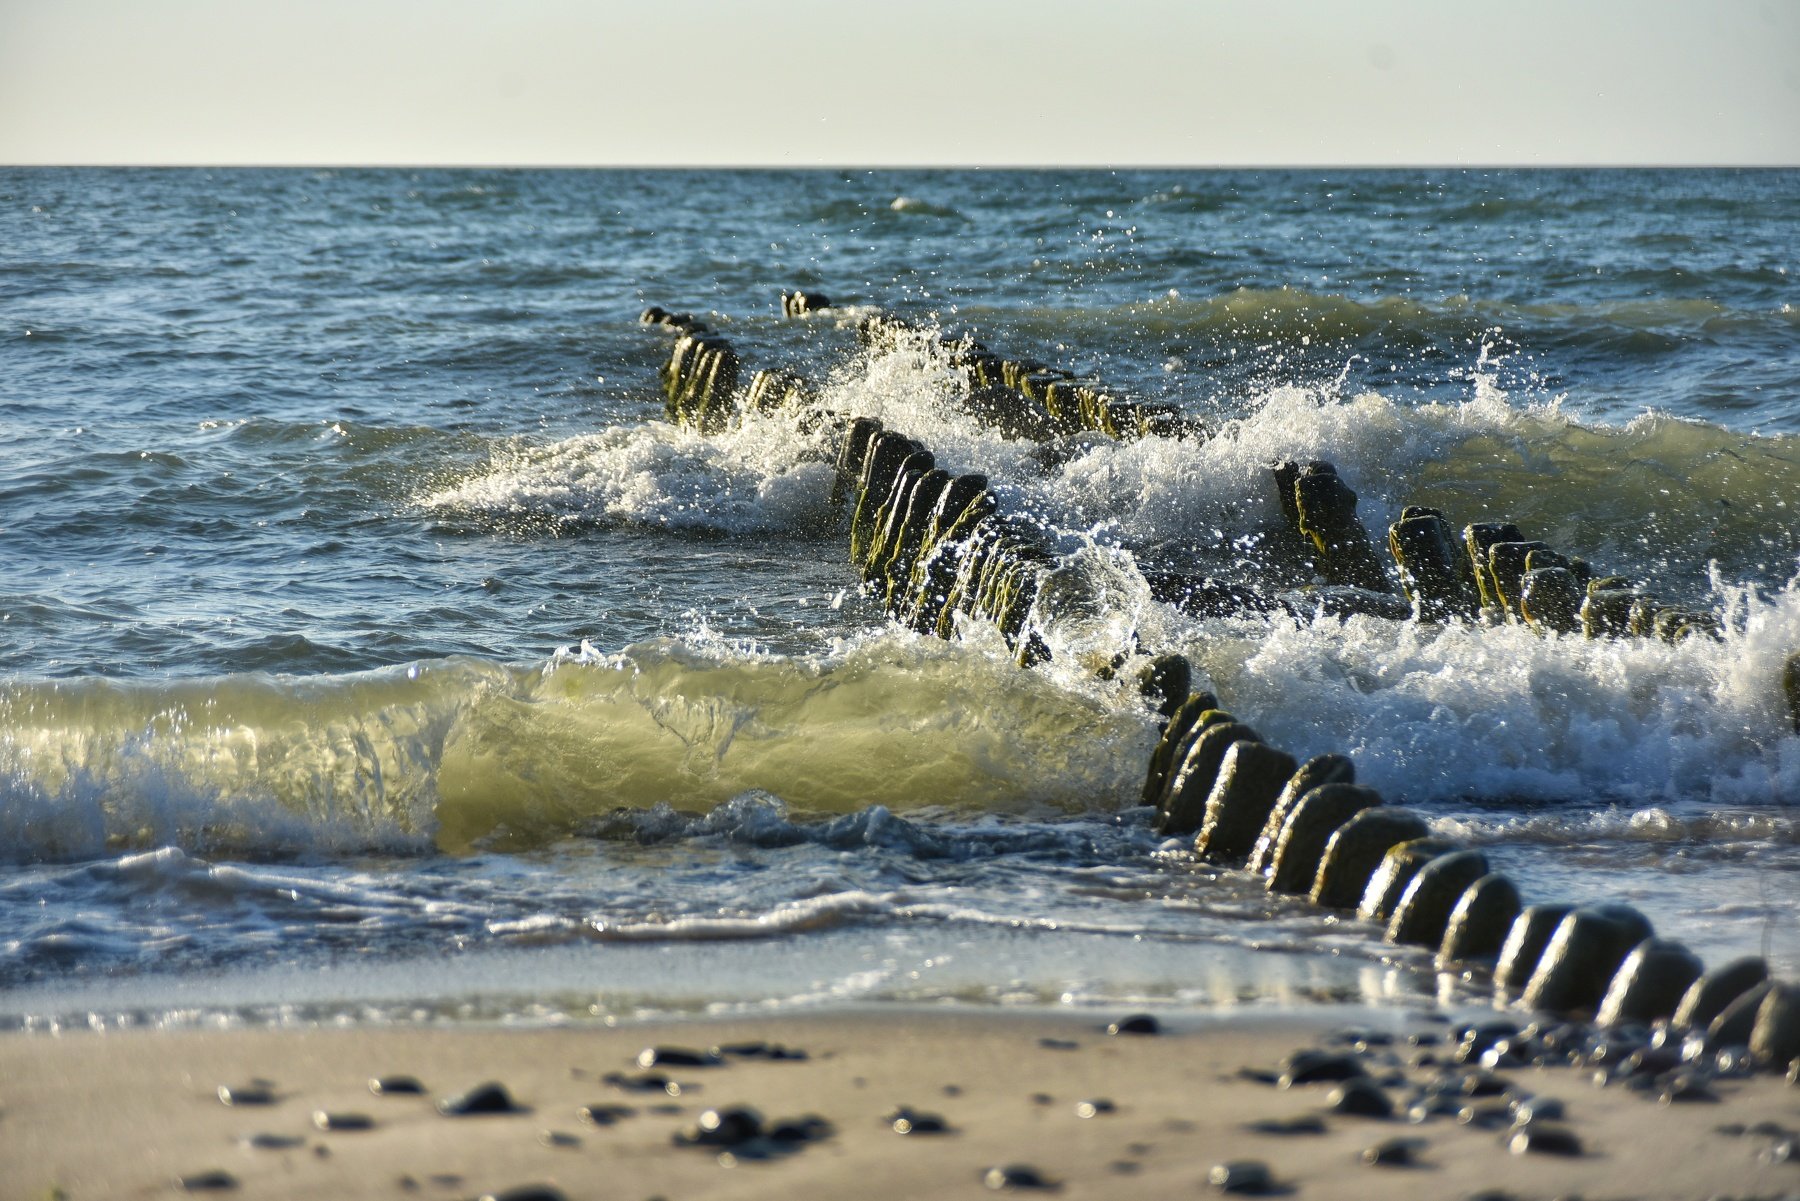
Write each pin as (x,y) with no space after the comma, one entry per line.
(126,1114)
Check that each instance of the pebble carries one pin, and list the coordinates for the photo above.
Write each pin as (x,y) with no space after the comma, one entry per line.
(728,1127)
(911,1121)
(1684,1088)
(1018,1176)
(793,1131)
(488,1098)
(1491,1115)
(527,1192)
(1537,1109)
(1312,1067)
(272,1142)
(1095,1107)
(1484,1084)
(214,1181)
(1539,1139)
(604,1115)
(396,1086)
(1361,1098)
(255,1093)
(1394,1153)
(558,1138)
(645,1082)
(1432,1106)
(1259,1075)
(1304,1124)
(339,1123)
(1242,1177)
(678,1057)
(1059,1044)
(774,1052)
(1137,1023)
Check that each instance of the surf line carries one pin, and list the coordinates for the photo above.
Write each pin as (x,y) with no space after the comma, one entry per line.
(931,546)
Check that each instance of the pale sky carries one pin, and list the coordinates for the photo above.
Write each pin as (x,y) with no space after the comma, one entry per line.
(935,82)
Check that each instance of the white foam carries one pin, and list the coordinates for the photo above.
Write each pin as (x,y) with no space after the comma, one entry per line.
(760,476)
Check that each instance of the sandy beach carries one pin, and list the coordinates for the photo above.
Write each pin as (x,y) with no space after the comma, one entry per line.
(137,1113)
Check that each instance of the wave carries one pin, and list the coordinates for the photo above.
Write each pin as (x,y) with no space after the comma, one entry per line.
(465,754)
(462,753)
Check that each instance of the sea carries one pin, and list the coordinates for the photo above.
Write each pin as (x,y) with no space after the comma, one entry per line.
(374,649)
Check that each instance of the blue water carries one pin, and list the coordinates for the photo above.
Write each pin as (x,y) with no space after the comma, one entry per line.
(359,605)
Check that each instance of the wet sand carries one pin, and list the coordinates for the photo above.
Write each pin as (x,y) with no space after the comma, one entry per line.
(130,1114)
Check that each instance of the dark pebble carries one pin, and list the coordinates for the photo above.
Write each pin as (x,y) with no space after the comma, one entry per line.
(339,1123)
(527,1192)
(1094,1108)
(1502,1057)
(1537,1109)
(1124,1167)
(774,1052)
(1394,1153)
(1653,1060)
(1543,1140)
(1731,1130)
(1018,1176)
(1490,1115)
(273,1142)
(605,1115)
(1361,1098)
(1137,1023)
(1683,1088)
(1734,1063)
(1259,1075)
(644,1082)
(1484,1084)
(246,1094)
(1491,1194)
(1435,1105)
(1059,1044)
(1242,1177)
(678,1057)
(794,1131)
(1042,1099)
(489,1098)
(1304,1124)
(557,1138)
(1767,1129)
(911,1121)
(207,1182)
(1313,1067)
(729,1127)
(953,1090)
(396,1086)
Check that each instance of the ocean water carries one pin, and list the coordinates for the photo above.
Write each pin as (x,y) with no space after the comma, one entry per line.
(371,645)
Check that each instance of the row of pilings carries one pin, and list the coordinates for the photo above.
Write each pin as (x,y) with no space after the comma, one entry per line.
(931,545)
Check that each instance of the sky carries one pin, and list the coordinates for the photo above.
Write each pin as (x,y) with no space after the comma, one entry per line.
(911,82)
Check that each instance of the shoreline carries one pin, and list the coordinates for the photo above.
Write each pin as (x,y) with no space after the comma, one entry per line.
(131,1113)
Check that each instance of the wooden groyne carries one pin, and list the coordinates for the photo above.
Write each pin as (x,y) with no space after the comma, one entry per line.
(932,546)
